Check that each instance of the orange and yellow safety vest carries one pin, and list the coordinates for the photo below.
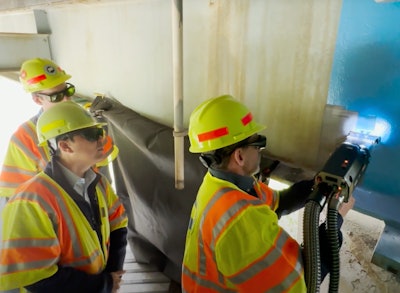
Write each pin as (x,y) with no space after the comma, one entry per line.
(24,158)
(234,243)
(47,229)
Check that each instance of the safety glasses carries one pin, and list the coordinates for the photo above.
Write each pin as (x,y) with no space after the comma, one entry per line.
(59,96)
(91,134)
(259,142)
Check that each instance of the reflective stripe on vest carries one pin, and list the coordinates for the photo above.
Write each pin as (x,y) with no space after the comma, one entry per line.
(24,158)
(55,233)
(277,268)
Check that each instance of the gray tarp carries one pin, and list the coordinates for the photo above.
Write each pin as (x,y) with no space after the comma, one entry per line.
(144,178)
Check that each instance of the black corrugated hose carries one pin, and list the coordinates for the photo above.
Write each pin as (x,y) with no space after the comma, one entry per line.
(333,239)
(311,249)
(311,245)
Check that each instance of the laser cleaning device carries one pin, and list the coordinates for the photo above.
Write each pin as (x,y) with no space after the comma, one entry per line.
(335,183)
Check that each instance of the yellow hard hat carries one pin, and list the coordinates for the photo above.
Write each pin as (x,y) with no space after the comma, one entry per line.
(220,122)
(63,118)
(41,74)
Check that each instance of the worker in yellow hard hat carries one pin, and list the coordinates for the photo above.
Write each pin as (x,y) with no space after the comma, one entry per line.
(234,242)
(65,229)
(48,84)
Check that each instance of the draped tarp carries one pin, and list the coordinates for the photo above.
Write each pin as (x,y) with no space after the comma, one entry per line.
(144,179)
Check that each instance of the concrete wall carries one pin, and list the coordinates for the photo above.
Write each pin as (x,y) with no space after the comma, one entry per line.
(276,56)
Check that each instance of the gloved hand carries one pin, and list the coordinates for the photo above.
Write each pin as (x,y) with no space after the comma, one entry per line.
(294,197)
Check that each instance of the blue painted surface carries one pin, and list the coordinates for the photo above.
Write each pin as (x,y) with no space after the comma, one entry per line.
(366,79)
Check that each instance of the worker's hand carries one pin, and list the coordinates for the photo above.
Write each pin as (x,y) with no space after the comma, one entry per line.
(117,280)
(295,197)
(345,207)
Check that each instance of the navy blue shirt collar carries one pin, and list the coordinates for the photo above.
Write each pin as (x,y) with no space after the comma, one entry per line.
(245,183)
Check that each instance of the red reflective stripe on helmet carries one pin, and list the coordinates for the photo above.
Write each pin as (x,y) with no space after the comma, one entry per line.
(36,79)
(213,134)
(247,119)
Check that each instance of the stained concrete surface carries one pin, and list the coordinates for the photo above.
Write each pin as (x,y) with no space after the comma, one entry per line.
(357,272)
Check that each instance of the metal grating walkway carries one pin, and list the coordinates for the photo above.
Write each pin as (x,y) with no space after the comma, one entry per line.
(142,278)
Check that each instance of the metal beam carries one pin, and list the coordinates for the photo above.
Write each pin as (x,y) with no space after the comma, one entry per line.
(16,48)
(24,4)
(10,5)
(386,254)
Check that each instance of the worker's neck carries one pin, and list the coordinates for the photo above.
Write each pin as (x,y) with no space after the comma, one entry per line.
(77,168)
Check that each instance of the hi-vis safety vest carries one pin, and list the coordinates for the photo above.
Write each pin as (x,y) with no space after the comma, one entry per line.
(234,243)
(55,233)
(24,158)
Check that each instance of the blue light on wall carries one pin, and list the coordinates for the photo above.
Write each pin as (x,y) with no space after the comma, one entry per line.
(366,79)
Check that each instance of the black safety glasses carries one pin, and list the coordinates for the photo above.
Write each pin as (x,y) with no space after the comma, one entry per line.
(91,134)
(260,142)
(59,96)
(257,141)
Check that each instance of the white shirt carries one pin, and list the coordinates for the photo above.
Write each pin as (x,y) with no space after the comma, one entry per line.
(79,184)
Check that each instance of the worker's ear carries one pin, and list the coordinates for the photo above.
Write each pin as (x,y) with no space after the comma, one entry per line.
(37,99)
(64,146)
(237,156)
